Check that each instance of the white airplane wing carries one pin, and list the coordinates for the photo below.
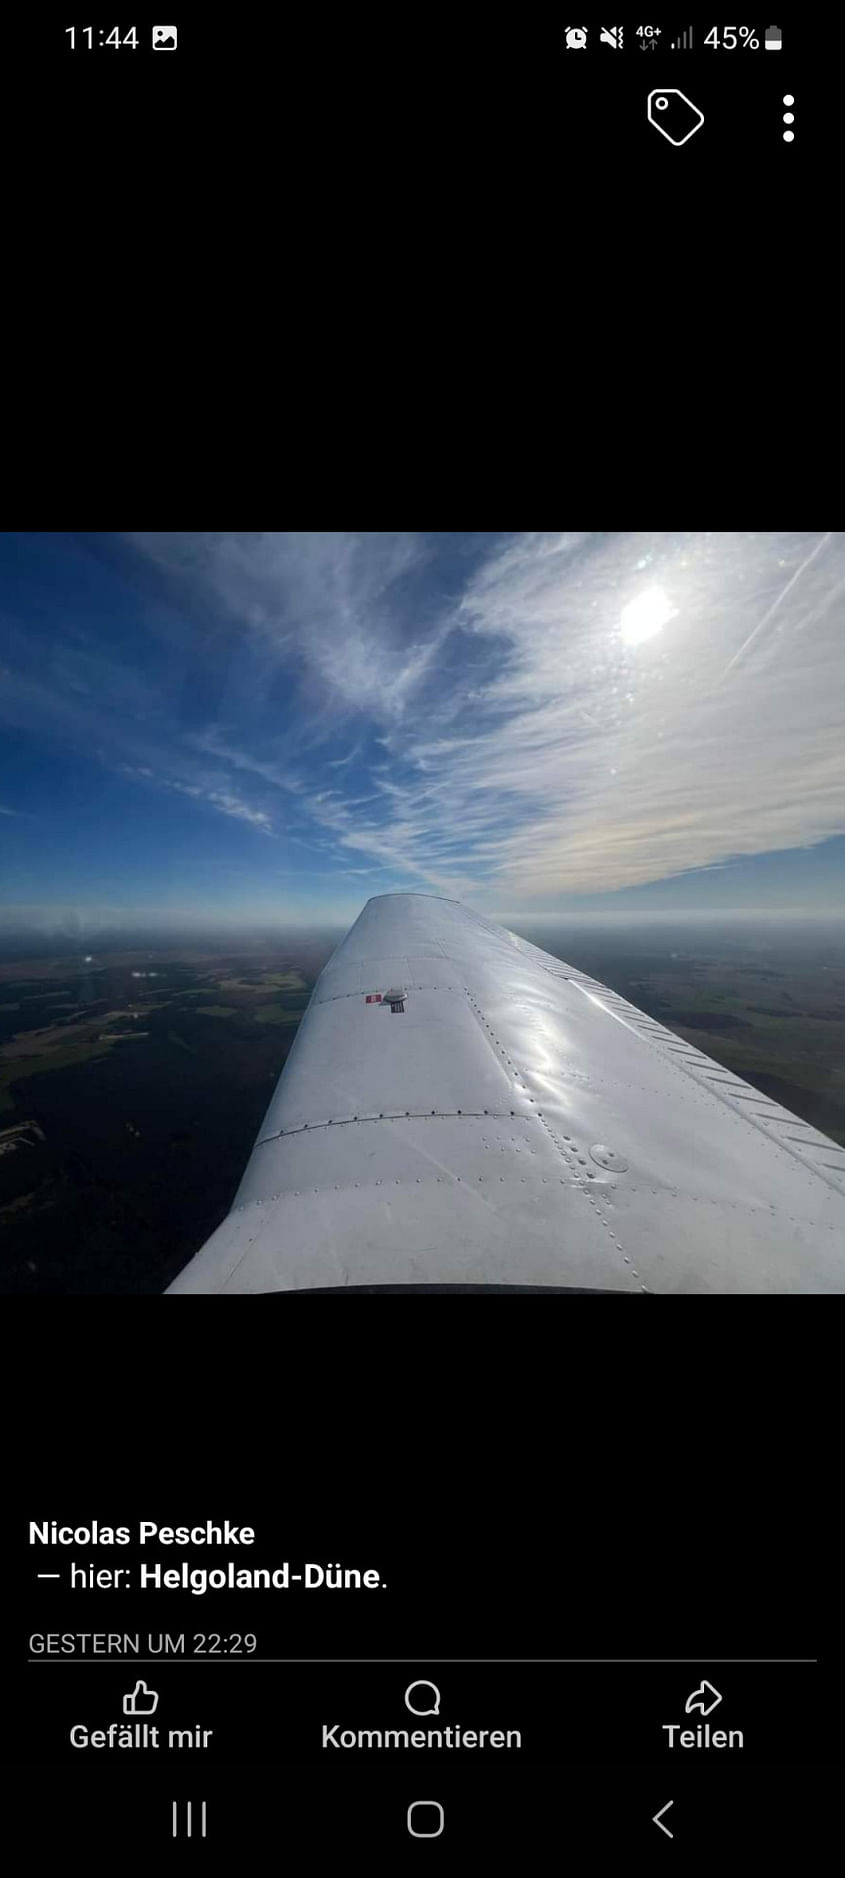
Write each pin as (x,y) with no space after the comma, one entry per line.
(460,1109)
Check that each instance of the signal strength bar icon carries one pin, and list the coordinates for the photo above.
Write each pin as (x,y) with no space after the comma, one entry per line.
(683,43)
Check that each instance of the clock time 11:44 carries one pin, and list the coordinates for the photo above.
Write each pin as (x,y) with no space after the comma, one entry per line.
(90,36)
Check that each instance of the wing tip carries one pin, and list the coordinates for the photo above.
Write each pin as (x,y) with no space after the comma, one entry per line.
(411,894)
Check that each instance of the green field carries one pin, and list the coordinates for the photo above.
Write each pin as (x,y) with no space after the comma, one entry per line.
(275,1014)
(86,1050)
(145,1134)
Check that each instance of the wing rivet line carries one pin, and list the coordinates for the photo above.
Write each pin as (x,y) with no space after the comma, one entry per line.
(575,1161)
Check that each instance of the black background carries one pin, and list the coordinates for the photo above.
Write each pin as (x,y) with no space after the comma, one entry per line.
(230,306)
(531,1484)
(314,253)
(446,109)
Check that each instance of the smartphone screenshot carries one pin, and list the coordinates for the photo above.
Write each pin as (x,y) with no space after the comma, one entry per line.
(422,978)
(422,1149)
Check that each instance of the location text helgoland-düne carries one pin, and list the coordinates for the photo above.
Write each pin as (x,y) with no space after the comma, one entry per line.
(199,1579)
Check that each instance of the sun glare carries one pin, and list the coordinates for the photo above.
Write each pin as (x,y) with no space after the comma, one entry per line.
(645,616)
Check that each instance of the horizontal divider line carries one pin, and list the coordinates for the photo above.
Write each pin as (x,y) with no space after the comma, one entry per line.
(524,1661)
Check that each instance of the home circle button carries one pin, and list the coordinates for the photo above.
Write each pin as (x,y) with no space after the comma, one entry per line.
(425,1819)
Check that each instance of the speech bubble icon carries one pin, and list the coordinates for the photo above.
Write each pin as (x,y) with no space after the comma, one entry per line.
(427,1702)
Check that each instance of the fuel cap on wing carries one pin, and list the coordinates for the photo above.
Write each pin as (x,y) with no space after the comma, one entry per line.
(606,1157)
(674,115)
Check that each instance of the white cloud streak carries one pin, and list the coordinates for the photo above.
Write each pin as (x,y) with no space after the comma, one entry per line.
(576,764)
(526,753)
(326,604)
(224,800)
(614,766)
(748,643)
(558,759)
(226,804)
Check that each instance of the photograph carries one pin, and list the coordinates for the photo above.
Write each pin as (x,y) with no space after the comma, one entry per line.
(407,912)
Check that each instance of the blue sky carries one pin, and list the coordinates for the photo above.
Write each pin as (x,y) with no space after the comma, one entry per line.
(269,728)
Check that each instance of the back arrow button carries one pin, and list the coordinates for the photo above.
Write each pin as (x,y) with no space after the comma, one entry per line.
(658,1819)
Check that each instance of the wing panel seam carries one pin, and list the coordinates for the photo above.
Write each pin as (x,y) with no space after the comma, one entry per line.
(702,1072)
(566,1153)
(396,1115)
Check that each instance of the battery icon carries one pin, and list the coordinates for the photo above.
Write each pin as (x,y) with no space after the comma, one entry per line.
(774,39)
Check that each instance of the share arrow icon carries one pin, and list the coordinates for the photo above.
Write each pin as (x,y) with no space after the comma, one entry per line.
(704,1697)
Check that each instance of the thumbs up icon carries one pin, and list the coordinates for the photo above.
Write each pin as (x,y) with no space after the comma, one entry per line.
(141,1701)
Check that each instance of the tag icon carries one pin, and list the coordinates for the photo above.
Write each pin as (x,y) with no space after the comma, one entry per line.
(674,115)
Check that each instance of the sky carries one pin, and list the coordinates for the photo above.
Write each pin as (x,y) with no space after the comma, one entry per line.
(267,729)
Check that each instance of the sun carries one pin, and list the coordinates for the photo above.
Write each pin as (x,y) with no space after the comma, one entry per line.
(645,616)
